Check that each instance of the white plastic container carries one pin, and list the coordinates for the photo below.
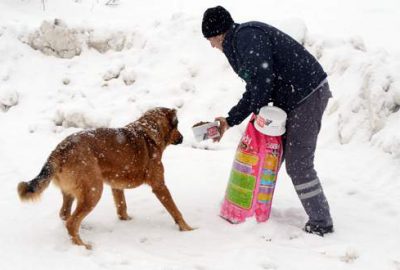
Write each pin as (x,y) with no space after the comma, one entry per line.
(271,121)
(206,131)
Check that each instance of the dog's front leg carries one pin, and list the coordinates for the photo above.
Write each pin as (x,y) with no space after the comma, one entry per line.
(120,203)
(163,194)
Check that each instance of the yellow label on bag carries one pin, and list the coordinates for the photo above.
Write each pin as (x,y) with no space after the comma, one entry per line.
(271,162)
(246,158)
(264,197)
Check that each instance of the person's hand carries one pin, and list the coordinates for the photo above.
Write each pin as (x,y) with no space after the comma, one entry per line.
(223,126)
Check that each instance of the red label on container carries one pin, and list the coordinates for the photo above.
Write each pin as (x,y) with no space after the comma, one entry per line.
(212,132)
(260,121)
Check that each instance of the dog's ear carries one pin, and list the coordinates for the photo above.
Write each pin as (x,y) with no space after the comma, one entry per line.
(170,115)
(154,123)
(153,133)
(157,124)
(173,117)
(153,129)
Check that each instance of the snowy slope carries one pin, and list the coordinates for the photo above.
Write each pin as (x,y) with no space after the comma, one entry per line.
(139,54)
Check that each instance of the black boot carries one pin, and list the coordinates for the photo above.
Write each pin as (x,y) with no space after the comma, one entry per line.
(318,229)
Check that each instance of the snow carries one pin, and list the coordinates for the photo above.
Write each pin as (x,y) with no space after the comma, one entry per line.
(136,55)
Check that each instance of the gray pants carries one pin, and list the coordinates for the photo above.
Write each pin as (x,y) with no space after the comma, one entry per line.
(302,128)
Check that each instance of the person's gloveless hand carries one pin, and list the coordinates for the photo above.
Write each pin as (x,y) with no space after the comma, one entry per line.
(223,126)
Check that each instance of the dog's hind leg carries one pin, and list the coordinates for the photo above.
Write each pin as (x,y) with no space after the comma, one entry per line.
(86,201)
(65,211)
(120,203)
(163,194)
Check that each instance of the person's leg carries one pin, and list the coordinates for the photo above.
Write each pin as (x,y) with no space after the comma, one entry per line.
(303,126)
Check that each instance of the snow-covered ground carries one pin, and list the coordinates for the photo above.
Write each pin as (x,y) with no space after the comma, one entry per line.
(129,57)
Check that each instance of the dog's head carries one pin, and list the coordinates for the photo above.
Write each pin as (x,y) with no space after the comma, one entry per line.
(161,125)
(173,134)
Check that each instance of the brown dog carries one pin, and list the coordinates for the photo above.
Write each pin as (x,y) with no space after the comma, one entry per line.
(123,158)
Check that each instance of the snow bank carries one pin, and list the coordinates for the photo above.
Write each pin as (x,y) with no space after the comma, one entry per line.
(366,88)
(364,82)
(54,38)
(104,41)
(79,116)
(57,39)
(141,54)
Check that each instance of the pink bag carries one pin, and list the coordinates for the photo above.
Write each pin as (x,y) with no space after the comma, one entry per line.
(253,176)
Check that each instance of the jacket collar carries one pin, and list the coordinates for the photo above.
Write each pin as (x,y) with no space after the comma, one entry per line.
(227,43)
(229,48)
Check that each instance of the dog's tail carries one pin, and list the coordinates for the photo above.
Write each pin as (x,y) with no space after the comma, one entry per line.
(30,191)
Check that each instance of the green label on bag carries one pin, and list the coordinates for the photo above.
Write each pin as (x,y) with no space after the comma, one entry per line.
(239,196)
(242,180)
(240,189)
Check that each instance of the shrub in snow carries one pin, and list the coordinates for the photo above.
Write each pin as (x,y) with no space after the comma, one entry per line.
(54,38)
(8,99)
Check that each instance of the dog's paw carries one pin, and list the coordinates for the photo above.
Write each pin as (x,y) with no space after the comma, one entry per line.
(64,217)
(188,229)
(185,228)
(125,217)
(77,241)
(88,246)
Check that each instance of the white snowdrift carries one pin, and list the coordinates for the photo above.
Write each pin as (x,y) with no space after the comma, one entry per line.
(366,87)
(139,54)
(57,39)
(365,83)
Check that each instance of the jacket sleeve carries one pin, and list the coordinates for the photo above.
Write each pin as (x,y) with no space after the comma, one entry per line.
(255,68)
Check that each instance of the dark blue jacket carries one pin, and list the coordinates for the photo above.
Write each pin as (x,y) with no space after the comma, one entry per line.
(274,66)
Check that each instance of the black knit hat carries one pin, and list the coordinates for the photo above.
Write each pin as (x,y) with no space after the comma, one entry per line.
(216,21)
